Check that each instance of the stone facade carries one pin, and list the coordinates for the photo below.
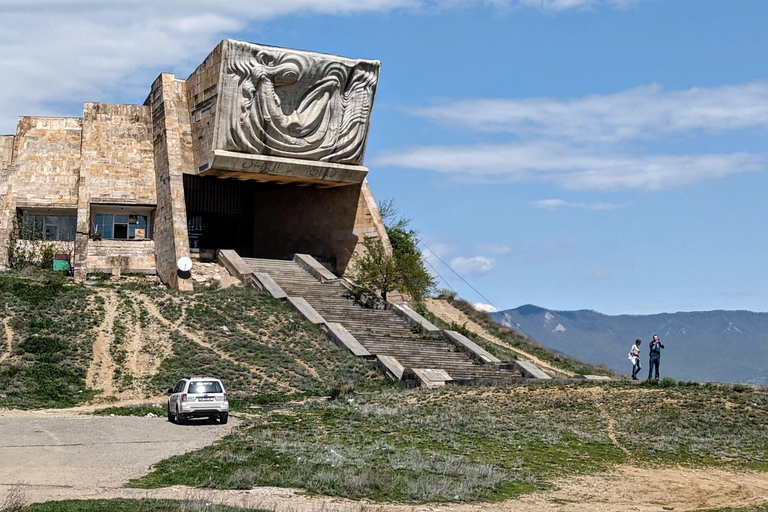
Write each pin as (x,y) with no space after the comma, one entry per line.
(260,149)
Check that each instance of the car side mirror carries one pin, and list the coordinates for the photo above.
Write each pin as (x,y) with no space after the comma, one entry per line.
(169,392)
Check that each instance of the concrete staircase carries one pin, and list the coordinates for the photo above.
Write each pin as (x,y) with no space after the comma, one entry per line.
(381,331)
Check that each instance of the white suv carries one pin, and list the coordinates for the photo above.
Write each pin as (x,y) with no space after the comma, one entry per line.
(195,397)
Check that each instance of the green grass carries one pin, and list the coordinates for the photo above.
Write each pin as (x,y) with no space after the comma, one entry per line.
(52,322)
(476,444)
(260,347)
(291,356)
(125,505)
(131,410)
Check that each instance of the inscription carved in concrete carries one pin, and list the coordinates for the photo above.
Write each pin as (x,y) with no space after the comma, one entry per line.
(296,104)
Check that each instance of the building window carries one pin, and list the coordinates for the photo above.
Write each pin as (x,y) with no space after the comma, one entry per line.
(49,227)
(121,227)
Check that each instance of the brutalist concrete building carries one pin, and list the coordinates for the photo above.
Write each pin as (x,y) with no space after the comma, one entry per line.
(259,150)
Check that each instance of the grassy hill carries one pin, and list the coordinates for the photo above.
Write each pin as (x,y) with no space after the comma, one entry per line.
(71,343)
(334,426)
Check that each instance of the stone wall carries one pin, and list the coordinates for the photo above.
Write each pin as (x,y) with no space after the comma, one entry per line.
(117,154)
(327,223)
(203,97)
(43,171)
(117,167)
(172,140)
(368,221)
(125,255)
(6,150)
(6,155)
(47,157)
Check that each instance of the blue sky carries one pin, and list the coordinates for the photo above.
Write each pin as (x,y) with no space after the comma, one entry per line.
(607,155)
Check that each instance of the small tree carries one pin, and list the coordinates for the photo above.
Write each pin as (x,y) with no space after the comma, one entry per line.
(403,270)
(375,269)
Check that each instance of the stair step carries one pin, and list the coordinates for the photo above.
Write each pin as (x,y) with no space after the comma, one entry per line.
(380,331)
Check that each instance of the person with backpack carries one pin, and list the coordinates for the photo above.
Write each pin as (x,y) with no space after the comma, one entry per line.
(655,356)
(634,356)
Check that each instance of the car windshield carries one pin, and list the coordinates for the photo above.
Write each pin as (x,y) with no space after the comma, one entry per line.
(205,387)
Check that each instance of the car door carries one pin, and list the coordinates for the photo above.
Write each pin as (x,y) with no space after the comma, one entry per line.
(177,391)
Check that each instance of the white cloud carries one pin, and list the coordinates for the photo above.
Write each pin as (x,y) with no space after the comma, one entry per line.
(488,308)
(645,112)
(597,142)
(495,248)
(552,204)
(474,266)
(57,54)
(575,168)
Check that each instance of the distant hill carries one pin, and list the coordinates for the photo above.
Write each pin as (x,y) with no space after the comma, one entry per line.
(716,346)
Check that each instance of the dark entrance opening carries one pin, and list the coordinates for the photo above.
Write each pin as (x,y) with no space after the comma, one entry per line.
(219,213)
(272,220)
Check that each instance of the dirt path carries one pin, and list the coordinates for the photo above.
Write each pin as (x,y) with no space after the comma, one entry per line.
(137,359)
(8,339)
(152,309)
(102,369)
(449,314)
(684,489)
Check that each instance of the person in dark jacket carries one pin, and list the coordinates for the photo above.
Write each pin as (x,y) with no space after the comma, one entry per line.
(655,356)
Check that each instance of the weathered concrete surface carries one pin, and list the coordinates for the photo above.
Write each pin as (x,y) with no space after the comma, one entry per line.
(268,284)
(531,371)
(414,318)
(343,338)
(301,306)
(89,452)
(471,348)
(427,377)
(229,164)
(390,366)
(234,263)
(314,267)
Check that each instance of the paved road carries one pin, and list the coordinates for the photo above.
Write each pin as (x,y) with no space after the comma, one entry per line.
(91,452)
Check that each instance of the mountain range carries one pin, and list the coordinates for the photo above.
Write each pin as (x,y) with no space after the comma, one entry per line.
(704,346)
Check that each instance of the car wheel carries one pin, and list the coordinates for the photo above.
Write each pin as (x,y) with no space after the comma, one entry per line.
(171,418)
(179,418)
(223,418)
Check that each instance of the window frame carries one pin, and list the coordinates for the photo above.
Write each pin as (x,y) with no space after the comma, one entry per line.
(109,222)
(48,226)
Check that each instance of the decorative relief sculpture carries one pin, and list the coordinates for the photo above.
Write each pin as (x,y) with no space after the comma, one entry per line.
(296,104)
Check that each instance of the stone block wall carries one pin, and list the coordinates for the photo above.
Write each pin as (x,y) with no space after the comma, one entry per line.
(47,157)
(203,96)
(117,167)
(117,154)
(42,169)
(368,220)
(172,142)
(125,255)
(6,150)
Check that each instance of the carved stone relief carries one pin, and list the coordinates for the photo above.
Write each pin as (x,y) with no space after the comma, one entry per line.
(295,104)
